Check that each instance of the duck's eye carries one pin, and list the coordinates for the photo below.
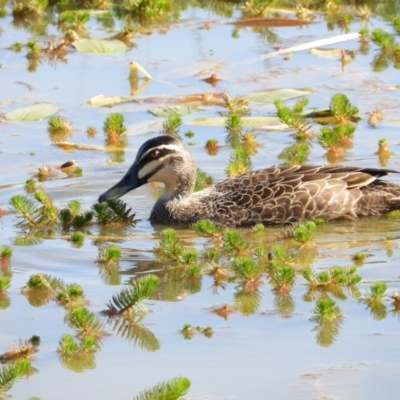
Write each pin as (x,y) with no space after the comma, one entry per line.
(155,153)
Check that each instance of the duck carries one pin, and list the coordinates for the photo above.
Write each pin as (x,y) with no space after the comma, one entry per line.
(274,195)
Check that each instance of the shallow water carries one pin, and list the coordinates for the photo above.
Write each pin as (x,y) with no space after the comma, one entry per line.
(266,354)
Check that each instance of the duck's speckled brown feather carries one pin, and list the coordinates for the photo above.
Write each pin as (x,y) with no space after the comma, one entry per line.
(275,195)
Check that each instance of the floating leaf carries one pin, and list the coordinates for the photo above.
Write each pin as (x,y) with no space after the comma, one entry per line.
(35,112)
(265,123)
(101,100)
(165,111)
(99,46)
(273,95)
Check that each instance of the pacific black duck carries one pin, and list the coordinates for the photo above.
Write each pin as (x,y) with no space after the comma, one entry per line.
(275,195)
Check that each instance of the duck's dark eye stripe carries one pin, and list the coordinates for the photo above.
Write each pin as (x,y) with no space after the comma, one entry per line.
(150,156)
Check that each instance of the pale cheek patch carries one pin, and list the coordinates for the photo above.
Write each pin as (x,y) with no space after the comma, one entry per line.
(148,168)
(166,176)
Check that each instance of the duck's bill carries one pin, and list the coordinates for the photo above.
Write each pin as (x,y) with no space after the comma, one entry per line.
(129,182)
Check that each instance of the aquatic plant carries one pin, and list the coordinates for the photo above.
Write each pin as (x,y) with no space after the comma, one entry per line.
(85,322)
(113,212)
(109,254)
(77,237)
(283,278)
(31,214)
(336,138)
(115,129)
(376,293)
(239,162)
(203,180)
(30,185)
(5,282)
(5,255)
(233,241)
(188,256)
(188,331)
(302,232)
(11,373)
(295,154)
(71,295)
(128,301)
(233,126)
(236,106)
(24,349)
(248,270)
(91,131)
(342,109)
(205,227)
(326,309)
(58,123)
(172,389)
(68,345)
(169,246)
(172,124)
(212,146)
(189,134)
(332,277)
(293,116)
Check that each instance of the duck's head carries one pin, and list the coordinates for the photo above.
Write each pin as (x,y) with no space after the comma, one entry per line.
(161,159)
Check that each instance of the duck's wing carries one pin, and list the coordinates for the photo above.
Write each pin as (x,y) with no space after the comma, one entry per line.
(354,176)
(327,192)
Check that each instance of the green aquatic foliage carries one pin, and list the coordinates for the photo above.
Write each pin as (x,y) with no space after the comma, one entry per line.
(77,237)
(342,109)
(188,256)
(239,162)
(172,389)
(24,349)
(85,322)
(114,124)
(283,278)
(236,106)
(73,19)
(336,276)
(169,246)
(109,254)
(338,136)
(193,272)
(302,232)
(32,214)
(57,123)
(5,254)
(30,185)
(5,282)
(295,154)
(326,309)
(172,124)
(248,270)
(203,180)
(293,116)
(113,212)
(11,373)
(68,345)
(396,24)
(71,295)
(383,39)
(128,301)
(233,241)
(205,227)
(376,293)
(233,126)
(44,282)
